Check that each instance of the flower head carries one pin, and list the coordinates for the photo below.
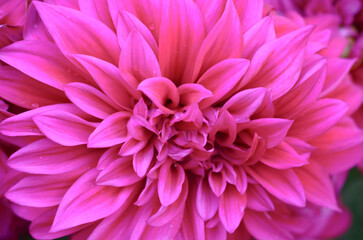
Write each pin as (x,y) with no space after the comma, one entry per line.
(178,119)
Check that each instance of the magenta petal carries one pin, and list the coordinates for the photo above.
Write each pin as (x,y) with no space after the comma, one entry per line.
(318,185)
(214,79)
(273,129)
(39,191)
(283,184)
(283,156)
(86,202)
(261,226)
(277,61)
(231,208)
(41,60)
(193,93)
(261,33)
(90,100)
(109,79)
(97,9)
(160,91)
(206,201)
(64,128)
(217,182)
(142,160)
(258,199)
(250,11)
(181,35)
(110,155)
(26,92)
(110,132)
(243,104)
(138,59)
(42,157)
(119,173)
(94,38)
(166,214)
(170,182)
(317,118)
(222,42)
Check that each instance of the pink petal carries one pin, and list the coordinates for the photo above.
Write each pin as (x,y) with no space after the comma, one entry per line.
(127,23)
(273,129)
(231,208)
(306,90)
(97,9)
(214,79)
(261,33)
(26,92)
(222,42)
(277,61)
(193,224)
(42,157)
(317,118)
(119,173)
(110,155)
(212,11)
(243,104)
(250,11)
(23,125)
(161,91)
(317,185)
(142,160)
(109,79)
(166,214)
(92,34)
(337,69)
(283,184)
(43,61)
(138,59)
(262,227)
(181,35)
(206,201)
(86,202)
(64,128)
(283,156)
(193,93)
(258,199)
(216,232)
(111,131)
(90,100)
(217,182)
(170,182)
(35,29)
(40,191)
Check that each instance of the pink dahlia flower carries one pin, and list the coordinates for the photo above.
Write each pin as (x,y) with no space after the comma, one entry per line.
(174,119)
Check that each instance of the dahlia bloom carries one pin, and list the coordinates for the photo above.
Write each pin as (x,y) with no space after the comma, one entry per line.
(176,119)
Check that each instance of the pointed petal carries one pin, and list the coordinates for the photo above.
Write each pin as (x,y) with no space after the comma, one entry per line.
(97,9)
(283,156)
(86,202)
(317,118)
(206,201)
(42,61)
(214,79)
(250,12)
(138,59)
(261,33)
(90,100)
(110,155)
(181,35)
(119,173)
(277,61)
(109,79)
(217,182)
(193,93)
(258,199)
(111,131)
(64,128)
(170,182)
(40,190)
(161,91)
(231,208)
(142,160)
(318,185)
(94,38)
(222,42)
(262,227)
(26,92)
(283,184)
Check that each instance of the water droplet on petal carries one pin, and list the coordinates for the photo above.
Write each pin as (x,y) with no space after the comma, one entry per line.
(152,26)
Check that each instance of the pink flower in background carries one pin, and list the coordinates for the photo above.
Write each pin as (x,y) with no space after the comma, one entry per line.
(177,119)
